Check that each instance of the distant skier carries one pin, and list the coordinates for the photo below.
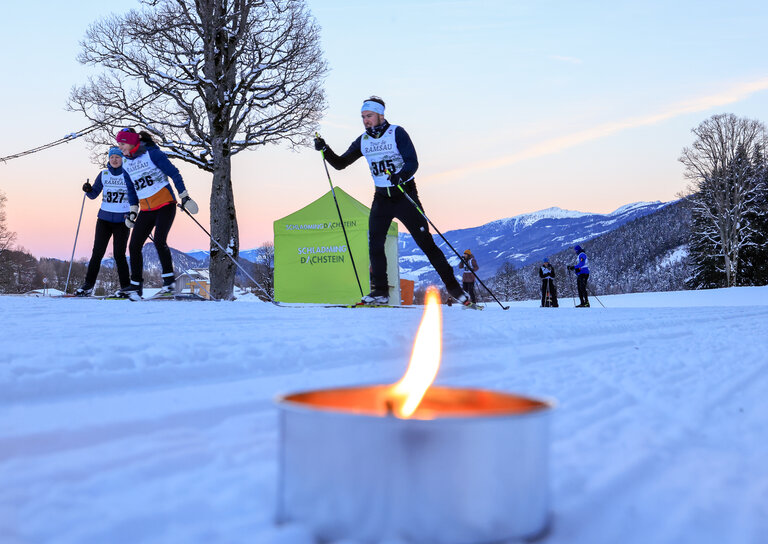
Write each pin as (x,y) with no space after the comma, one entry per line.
(468,278)
(582,275)
(548,287)
(117,195)
(392,160)
(150,169)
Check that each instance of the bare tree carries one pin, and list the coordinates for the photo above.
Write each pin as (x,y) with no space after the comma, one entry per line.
(264,267)
(7,236)
(207,79)
(507,283)
(725,168)
(109,280)
(18,271)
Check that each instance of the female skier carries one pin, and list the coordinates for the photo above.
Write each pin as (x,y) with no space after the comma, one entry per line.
(149,169)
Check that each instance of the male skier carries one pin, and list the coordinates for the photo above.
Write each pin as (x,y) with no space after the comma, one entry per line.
(393,162)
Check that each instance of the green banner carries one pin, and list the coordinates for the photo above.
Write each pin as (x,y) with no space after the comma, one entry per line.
(312,260)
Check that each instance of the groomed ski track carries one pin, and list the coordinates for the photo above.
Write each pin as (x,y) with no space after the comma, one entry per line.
(157,424)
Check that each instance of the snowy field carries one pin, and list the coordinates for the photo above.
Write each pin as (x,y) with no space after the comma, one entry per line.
(153,422)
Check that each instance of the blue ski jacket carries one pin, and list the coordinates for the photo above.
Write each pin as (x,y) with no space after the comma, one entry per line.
(133,199)
(581,266)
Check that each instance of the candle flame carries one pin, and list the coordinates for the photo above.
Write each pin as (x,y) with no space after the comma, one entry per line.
(425,359)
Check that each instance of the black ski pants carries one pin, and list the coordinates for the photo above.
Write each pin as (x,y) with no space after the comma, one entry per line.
(384,209)
(581,283)
(161,220)
(469,287)
(119,234)
(548,285)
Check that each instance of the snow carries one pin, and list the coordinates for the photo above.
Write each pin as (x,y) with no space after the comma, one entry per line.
(635,205)
(528,219)
(154,422)
(674,256)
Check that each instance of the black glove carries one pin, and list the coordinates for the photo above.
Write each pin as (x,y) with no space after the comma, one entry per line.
(395,179)
(570,267)
(320,144)
(130,217)
(87,187)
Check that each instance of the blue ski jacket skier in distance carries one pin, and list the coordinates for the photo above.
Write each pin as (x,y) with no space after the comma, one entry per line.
(392,162)
(582,265)
(582,275)
(118,194)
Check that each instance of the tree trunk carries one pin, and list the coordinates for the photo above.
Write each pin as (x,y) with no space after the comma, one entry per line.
(223,224)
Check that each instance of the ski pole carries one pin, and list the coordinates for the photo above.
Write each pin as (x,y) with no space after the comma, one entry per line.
(574,289)
(548,296)
(77,232)
(269,297)
(594,295)
(399,186)
(333,192)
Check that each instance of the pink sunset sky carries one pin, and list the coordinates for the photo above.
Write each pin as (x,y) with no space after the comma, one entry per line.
(512,106)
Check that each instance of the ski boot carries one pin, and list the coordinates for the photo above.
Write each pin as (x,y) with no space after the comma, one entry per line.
(461,296)
(377,297)
(169,287)
(120,293)
(84,291)
(132,291)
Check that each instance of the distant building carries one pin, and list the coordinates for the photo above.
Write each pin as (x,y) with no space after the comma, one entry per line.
(196,281)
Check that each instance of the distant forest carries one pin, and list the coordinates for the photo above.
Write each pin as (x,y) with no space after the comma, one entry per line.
(647,254)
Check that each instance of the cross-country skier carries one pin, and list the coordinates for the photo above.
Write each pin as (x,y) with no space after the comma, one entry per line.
(468,278)
(582,275)
(117,194)
(392,160)
(149,169)
(548,288)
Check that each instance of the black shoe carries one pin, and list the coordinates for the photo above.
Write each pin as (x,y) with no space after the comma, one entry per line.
(460,295)
(84,291)
(134,290)
(376,296)
(169,285)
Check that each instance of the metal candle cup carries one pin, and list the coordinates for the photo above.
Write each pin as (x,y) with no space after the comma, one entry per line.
(470,466)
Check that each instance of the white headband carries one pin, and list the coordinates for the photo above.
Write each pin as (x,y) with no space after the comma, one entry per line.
(375,107)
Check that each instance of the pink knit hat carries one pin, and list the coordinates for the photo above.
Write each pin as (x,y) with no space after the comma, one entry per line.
(128,136)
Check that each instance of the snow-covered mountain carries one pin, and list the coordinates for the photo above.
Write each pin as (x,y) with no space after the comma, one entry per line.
(202,255)
(181,261)
(199,254)
(519,240)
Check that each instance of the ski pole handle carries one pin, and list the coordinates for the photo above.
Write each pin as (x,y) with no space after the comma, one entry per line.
(322,151)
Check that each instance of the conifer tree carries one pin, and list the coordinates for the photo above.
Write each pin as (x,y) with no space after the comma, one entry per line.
(724,165)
